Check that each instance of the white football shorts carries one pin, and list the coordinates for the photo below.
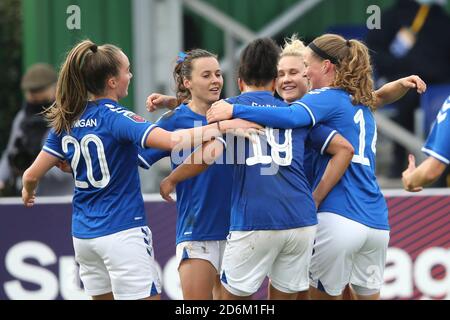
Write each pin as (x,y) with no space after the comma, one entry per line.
(211,251)
(282,255)
(122,263)
(346,251)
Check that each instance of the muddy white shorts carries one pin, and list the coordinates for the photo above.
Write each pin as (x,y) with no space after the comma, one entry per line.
(211,251)
(122,263)
(282,255)
(346,251)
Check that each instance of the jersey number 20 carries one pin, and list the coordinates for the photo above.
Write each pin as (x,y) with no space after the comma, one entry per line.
(82,148)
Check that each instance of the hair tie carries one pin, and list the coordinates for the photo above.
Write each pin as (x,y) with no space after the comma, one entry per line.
(181,57)
(94,48)
(347,42)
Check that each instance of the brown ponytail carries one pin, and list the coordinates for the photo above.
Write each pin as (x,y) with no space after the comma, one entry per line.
(85,71)
(353,68)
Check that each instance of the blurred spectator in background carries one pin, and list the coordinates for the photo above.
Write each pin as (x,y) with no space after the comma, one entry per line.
(413,39)
(28,133)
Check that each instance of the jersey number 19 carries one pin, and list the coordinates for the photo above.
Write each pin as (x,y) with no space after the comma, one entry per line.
(276,149)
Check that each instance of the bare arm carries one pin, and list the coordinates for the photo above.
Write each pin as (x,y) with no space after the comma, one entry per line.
(414,179)
(395,90)
(186,138)
(64,166)
(192,166)
(342,154)
(33,174)
(157,101)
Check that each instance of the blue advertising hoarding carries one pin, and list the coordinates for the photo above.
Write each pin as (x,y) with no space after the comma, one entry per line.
(37,259)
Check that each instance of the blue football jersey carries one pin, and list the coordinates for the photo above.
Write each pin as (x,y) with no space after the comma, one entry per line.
(270,190)
(437,144)
(204,201)
(103,153)
(357,196)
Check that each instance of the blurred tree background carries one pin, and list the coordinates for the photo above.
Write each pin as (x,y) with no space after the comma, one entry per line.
(10,65)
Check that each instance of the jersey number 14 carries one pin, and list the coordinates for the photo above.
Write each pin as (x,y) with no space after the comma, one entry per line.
(359,156)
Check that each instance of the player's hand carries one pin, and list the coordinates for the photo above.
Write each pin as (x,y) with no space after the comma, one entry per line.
(407,173)
(220,110)
(28,198)
(414,82)
(166,187)
(64,166)
(157,101)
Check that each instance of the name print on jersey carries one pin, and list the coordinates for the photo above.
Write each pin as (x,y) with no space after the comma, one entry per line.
(86,123)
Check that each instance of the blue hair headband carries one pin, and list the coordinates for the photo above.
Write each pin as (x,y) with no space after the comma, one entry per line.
(181,57)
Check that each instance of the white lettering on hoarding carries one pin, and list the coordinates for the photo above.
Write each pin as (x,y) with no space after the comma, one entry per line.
(422,272)
(49,284)
(23,271)
(400,275)
(397,275)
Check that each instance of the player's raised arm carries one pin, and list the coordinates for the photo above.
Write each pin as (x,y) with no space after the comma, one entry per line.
(294,116)
(192,166)
(395,90)
(438,150)
(157,101)
(427,172)
(162,139)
